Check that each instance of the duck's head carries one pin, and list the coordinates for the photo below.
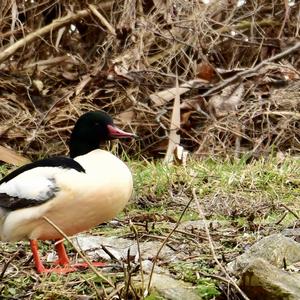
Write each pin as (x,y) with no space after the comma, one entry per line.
(93,129)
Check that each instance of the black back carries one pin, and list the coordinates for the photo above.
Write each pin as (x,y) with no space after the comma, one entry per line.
(59,161)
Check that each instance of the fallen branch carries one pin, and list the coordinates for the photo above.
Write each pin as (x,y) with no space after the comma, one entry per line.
(249,72)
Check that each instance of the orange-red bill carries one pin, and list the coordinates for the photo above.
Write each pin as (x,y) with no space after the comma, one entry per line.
(117,133)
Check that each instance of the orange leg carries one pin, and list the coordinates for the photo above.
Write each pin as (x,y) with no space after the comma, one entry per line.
(62,260)
(36,257)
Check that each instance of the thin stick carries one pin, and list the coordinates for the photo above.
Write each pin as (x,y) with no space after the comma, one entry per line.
(79,252)
(292,212)
(102,19)
(282,218)
(212,249)
(164,243)
(139,253)
(7,264)
(56,24)
(214,277)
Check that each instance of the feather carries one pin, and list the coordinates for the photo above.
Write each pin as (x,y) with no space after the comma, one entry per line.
(34,183)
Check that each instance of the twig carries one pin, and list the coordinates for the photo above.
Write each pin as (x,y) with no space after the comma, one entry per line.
(7,264)
(249,72)
(174,137)
(79,252)
(164,242)
(102,19)
(281,218)
(110,254)
(56,24)
(115,291)
(214,276)
(292,212)
(212,249)
(286,17)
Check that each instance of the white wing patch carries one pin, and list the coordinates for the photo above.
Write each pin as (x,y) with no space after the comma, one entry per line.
(35,184)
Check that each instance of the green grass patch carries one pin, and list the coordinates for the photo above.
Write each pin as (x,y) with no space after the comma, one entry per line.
(245,197)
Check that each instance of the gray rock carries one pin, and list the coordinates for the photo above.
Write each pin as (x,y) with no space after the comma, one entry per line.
(262,281)
(119,248)
(294,233)
(172,289)
(274,249)
(200,224)
(291,232)
(147,268)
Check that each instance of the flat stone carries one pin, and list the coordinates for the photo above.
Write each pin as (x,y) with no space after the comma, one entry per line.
(200,224)
(172,289)
(291,232)
(262,281)
(147,268)
(275,249)
(120,247)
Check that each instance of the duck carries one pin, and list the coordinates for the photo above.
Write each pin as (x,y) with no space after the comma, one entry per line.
(76,192)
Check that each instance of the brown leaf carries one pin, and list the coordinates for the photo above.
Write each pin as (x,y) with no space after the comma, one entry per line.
(11,157)
(206,71)
(195,104)
(185,119)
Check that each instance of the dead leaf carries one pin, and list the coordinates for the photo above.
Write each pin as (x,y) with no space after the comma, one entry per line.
(60,34)
(206,71)
(174,137)
(196,104)
(126,117)
(70,75)
(185,119)
(227,102)
(38,85)
(12,157)
(162,97)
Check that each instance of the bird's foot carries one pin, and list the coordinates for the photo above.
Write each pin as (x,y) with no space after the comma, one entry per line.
(67,268)
(83,265)
(57,270)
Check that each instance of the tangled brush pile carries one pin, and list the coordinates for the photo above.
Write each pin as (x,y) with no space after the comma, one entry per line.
(235,64)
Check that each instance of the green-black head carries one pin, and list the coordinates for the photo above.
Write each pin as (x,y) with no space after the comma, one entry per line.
(93,129)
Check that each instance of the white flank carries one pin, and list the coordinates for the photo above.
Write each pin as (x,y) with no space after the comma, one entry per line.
(83,200)
(35,184)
